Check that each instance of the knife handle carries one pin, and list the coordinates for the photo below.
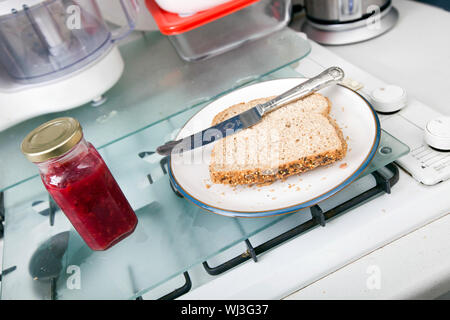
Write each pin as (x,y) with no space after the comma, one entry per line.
(326,78)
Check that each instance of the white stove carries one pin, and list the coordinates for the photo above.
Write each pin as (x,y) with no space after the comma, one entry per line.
(395,246)
(308,260)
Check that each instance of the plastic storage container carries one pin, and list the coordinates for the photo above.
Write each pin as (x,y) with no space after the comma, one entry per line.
(250,23)
(170,23)
(81,184)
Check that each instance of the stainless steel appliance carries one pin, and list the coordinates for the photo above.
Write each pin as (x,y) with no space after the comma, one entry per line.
(337,22)
(339,11)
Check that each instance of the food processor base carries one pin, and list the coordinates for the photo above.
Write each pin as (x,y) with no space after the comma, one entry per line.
(22,102)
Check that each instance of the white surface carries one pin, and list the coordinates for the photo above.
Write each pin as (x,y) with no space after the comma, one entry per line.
(191,169)
(403,269)
(415,54)
(62,94)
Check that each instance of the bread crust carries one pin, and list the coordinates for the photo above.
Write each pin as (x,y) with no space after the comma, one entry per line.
(262,175)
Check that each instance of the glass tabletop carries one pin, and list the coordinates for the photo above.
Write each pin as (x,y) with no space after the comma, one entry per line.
(155,85)
(172,234)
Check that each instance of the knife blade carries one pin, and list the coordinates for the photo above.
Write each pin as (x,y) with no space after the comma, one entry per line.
(252,116)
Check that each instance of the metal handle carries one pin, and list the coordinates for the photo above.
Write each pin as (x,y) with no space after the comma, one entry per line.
(328,77)
(130,9)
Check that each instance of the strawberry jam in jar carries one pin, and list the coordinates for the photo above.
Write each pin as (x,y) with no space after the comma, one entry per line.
(81,184)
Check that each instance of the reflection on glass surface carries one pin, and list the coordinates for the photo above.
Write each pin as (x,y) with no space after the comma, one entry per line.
(172,234)
(156,85)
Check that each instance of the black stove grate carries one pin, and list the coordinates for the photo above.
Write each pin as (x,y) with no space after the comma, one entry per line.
(2,214)
(319,219)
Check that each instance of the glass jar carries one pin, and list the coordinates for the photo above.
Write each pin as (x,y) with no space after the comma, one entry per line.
(81,184)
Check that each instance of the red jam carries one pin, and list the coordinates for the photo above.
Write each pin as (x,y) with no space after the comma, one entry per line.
(85,190)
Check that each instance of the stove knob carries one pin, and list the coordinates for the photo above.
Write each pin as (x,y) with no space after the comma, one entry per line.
(388,99)
(437,133)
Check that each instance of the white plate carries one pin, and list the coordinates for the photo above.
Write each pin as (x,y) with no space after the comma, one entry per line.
(355,117)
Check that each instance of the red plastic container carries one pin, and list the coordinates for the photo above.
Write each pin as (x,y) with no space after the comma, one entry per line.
(172,24)
(250,23)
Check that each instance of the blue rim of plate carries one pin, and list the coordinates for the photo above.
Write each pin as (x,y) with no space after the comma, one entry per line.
(293,208)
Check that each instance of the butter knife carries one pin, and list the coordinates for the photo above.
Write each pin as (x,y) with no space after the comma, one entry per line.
(251,117)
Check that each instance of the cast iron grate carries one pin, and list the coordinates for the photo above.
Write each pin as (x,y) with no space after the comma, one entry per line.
(2,214)
(319,217)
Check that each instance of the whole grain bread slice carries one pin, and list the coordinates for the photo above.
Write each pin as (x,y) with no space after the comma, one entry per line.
(295,138)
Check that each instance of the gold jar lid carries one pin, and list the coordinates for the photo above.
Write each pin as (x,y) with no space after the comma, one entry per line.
(52,139)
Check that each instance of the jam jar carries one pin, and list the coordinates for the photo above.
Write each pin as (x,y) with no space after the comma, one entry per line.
(80,183)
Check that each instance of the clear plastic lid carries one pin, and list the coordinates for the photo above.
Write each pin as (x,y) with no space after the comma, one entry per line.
(250,23)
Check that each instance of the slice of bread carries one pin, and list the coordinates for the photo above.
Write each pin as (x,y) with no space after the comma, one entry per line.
(295,138)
